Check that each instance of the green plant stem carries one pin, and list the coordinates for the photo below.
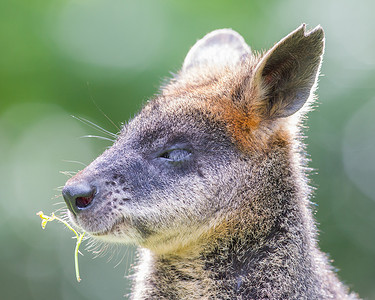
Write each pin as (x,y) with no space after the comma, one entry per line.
(79,236)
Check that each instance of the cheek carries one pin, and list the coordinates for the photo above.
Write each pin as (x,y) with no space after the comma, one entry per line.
(165,197)
(183,203)
(179,219)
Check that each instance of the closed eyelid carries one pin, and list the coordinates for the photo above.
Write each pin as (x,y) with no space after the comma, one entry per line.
(175,154)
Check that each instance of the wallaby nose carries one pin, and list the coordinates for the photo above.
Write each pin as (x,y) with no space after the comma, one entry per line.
(78,196)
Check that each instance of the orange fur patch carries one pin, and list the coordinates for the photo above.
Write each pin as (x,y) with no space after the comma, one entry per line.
(241,123)
(246,126)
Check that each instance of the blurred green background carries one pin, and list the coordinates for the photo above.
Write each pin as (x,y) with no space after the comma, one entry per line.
(81,57)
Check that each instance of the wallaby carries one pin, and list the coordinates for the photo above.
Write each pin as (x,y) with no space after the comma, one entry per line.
(209,179)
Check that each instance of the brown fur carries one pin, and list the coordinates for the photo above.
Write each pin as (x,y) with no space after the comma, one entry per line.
(209,178)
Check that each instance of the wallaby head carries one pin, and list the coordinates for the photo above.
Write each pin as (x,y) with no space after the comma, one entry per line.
(213,160)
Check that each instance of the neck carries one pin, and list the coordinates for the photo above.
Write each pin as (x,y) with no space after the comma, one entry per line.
(233,266)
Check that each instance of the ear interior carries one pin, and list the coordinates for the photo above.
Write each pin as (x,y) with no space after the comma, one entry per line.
(222,47)
(288,72)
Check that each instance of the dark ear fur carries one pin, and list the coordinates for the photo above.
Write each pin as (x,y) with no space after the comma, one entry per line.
(286,75)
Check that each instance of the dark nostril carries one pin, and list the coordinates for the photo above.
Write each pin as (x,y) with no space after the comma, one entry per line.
(78,196)
(82,202)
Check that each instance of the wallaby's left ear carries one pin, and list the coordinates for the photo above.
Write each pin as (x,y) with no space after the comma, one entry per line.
(222,47)
(286,75)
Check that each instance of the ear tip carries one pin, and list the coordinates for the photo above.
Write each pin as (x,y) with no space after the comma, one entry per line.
(315,35)
(303,29)
(317,32)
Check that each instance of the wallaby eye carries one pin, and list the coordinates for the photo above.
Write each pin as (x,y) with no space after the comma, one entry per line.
(175,155)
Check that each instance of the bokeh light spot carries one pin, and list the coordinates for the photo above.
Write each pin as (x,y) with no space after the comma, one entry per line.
(359,148)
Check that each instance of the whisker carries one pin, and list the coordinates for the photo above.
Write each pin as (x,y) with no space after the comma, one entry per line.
(130,261)
(59,188)
(121,260)
(95,126)
(68,173)
(98,137)
(56,196)
(109,119)
(75,162)
(97,248)
(93,101)
(112,253)
(60,209)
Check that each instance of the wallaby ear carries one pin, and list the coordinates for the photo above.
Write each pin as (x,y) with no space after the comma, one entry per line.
(286,76)
(218,48)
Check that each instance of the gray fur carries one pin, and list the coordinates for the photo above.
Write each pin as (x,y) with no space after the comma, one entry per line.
(209,180)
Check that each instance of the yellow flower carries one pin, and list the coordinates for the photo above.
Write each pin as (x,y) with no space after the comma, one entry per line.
(79,236)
